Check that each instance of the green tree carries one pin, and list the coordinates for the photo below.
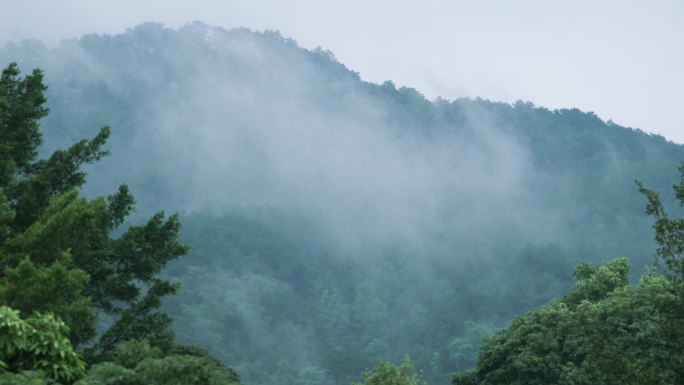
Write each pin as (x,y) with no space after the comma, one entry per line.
(37,343)
(60,267)
(669,234)
(21,106)
(386,373)
(138,363)
(56,251)
(603,331)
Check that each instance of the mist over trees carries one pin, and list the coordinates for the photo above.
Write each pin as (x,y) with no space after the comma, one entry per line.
(604,331)
(63,272)
(331,221)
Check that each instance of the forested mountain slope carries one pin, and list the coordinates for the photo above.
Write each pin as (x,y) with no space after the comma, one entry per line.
(333,220)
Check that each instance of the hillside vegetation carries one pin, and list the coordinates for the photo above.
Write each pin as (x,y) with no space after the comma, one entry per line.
(331,221)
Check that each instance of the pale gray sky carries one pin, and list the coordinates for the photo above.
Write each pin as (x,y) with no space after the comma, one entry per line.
(622,59)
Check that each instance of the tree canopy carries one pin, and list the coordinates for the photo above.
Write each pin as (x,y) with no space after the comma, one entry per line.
(62,271)
(604,331)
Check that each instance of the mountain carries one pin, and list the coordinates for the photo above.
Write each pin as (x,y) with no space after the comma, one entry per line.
(333,220)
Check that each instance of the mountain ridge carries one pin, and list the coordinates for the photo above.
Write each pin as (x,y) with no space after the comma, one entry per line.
(335,220)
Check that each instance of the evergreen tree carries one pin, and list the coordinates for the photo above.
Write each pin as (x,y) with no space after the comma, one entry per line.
(61,268)
(55,242)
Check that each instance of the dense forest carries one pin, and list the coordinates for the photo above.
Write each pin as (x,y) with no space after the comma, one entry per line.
(325,225)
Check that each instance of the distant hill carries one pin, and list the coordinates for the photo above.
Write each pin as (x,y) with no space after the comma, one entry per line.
(334,220)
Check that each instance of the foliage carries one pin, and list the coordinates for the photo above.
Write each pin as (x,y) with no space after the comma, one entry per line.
(26,378)
(34,265)
(37,343)
(61,267)
(21,105)
(52,241)
(386,373)
(669,233)
(596,283)
(612,336)
(603,331)
(137,363)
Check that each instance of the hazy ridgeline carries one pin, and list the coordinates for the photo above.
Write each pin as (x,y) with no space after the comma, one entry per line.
(332,220)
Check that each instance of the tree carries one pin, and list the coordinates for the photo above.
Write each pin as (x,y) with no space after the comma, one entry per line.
(56,252)
(604,331)
(669,233)
(386,373)
(138,363)
(21,106)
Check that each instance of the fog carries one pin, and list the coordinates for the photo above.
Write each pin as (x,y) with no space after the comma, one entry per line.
(206,120)
(618,58)
(254,128)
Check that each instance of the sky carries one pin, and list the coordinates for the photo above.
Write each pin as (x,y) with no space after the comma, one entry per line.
(622,59)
